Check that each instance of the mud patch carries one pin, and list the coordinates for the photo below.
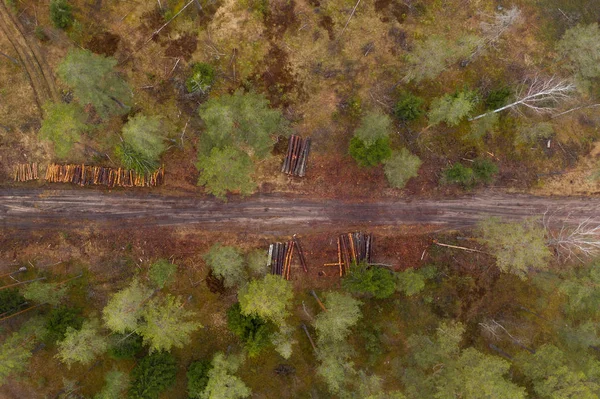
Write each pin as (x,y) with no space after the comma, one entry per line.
(280,17)
(105,43)
(151,22)
(183,47)
(326,22)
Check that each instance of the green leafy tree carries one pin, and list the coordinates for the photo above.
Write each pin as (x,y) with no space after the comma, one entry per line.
(484,170)
(373,126)
(367,156)
(242,120)
(124,309)
(201,79)
(553,377)
(125,346)
(226,169)
(167,324)
(497,98)
(581,288)
(16,349)
(60,320)
(197,378)
(222,384)
(517,246)
(371,280)
(343,312)
(162,273)
(581,47)
(95,82)
(401,167)
(116,382)
(61,14)
(269,298)
(252,330)
(63,125)
(226,263)
(431,56)
(82,345)
(257,262)
(152,375)
(410,282)
(409,107)
(10,301)
(459,174)
(42,292)
(145,135)
(451,108)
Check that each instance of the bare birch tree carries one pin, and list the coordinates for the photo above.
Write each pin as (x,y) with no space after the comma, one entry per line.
(582,241)
(493,28)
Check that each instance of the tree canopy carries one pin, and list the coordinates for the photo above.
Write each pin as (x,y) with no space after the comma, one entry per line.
(451,108)
(124,309)
(343,312)
(269,298)
(144,136)
(401,167)
(16,349)
(226,169)
(227,263)
(43,292)
(82,345)
(63,125)
(517,246)
(116,382)
(162,273)
(94,81)
(222,384)
(152,375)
(581,47)
(370,280)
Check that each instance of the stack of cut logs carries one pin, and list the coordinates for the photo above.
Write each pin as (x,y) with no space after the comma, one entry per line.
(26,172)
(297,155)
(280,257)
(98,175)
(353,248)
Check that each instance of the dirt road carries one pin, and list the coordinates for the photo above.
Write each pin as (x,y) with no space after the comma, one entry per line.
(32,61)
(26,209)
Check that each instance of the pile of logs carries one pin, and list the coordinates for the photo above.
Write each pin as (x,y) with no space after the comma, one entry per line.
(26,172)
(280,257)
(98,175)
(297,155)
(353,248)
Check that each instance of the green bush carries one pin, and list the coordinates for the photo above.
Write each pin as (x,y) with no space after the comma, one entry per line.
(371,280)
(459,174)
(152,375)
(10,300)
(197,378)
(63,124)
(162,272)
(125,346)
(409,107)
(252,330)
(201,79)
(484,170)
(401,167)
(372,155)
(497,98)
(227,169)
(132,159)
(60,319)
(61,14)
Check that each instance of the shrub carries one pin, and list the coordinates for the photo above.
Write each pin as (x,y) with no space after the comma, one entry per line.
(409,107)
(452,108)
(201,79)
(257,262)
(61,14)
(410,282)
(530,133)
(197,378)
(60,319)
(162,272)
(152,375)
(63,124)
(226,263)
(145,136)
(459,174)
(252,330)
(401,167)
(581,47)
(367,156)
(373,127)
(370,280)
(484,170)
(131,159)
(125,346)
(497,98)
(224,170)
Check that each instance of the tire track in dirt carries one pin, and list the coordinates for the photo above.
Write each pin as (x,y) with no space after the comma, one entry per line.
(31,209)
(38,72)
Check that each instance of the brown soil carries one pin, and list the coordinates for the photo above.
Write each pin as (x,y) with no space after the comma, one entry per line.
(183,47)
(105,43)
(280,17)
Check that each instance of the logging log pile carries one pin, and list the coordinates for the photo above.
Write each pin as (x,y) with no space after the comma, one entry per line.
(98,175)
(26,172)
(353,248)
(297,156)
(280,257)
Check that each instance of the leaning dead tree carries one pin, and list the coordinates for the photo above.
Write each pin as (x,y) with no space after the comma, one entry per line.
(581,241)
(541,96)
(493,28)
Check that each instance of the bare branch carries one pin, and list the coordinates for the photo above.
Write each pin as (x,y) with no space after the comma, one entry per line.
(582,241)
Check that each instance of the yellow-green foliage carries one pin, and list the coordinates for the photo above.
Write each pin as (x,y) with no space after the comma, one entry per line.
(63,124)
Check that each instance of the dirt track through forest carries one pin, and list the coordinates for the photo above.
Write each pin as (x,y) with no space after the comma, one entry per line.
(38,72)
(31,209)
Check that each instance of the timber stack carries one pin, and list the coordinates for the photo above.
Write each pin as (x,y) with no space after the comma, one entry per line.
(97,175)
(26,172)
(296,158)
(280,258)
(353,248)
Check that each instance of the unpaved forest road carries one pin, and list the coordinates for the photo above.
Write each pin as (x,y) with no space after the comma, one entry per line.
(32,209)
